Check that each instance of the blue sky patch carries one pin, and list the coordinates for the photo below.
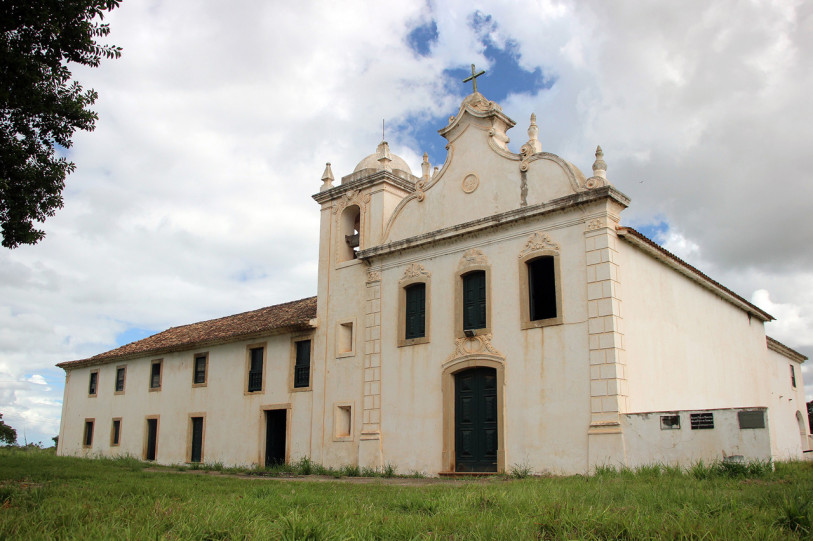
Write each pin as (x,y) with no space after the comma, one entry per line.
(503,76)
(132,334)
(656,231)
(421,39)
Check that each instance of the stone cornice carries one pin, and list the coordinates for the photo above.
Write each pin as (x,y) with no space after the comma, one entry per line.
(363,182)
(482,224)
(782,349)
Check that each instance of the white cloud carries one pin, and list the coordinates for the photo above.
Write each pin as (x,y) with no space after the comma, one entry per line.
(191,199)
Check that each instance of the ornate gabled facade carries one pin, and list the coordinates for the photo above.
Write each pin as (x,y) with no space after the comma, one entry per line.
(489,312)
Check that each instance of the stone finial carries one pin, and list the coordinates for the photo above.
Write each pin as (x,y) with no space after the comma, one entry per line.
(600,166)
(327,178)
(384,159)
(435,171)
(533,132)
(425,166)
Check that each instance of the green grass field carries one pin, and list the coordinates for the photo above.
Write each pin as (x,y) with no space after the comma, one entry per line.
(47,497)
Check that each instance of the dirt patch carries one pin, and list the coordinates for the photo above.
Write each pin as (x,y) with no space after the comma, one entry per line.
(394,481)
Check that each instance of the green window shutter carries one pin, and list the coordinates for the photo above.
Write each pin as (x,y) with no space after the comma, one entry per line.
(474,300)
(415,319)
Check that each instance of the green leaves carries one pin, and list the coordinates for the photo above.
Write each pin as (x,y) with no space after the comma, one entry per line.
(40,106)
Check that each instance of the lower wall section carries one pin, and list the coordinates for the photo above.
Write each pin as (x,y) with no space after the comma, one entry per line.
(685,437)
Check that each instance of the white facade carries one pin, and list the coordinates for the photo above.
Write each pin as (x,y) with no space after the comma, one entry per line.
(416,363)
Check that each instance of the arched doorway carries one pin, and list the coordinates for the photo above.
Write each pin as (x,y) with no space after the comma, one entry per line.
(476,430)
(473,412)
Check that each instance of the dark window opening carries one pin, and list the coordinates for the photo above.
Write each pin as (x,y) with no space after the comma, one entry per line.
(474,300)
(302,365)
(200,369)
(116,431)
(751,419)
(541,288)
(155,375)
(120,373)
(415,311)
(197,440)
(152,439)
(94,379)
(88,433)
(255,373)
(670,422)
(702,421)
(792,376)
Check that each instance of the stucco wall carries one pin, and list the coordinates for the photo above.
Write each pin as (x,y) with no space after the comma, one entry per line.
(686,347)
(647,443)
(547,379)
(234,426)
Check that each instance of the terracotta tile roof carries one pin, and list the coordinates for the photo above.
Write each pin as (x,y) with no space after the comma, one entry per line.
(660,253)
(290,315)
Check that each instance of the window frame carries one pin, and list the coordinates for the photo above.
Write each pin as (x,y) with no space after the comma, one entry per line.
(195,357)
(792,376)
(113,441)
(146,438)
(403,284)
(93,386)
(337,408)
(525,289)
(160,363)
(351,322)
(459,301)
(292,373)
(246,381)
(189,436)
(124,380)
(89,421)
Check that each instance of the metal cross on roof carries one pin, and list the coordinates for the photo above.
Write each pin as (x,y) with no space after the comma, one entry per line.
(473,78)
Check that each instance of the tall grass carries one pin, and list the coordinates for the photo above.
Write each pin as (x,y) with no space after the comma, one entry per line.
(48,497)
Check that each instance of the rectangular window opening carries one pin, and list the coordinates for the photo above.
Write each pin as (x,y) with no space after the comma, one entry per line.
(121,373)
(255,372)
(702,421)
(94,381)
(196,450)
(344,421)
(474,300)
(345,338)
(751,419)
(88,434)
(792,376)
(670,422)
(115,435)
(155,375)
(541,288)
(302,365)
(199,376)
(415,320)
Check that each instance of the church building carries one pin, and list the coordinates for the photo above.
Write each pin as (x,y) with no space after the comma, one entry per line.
(490,313)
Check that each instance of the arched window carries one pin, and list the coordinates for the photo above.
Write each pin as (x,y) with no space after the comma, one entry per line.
(349,233)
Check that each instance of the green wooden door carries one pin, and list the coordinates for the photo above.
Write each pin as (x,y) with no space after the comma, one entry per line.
(476,436)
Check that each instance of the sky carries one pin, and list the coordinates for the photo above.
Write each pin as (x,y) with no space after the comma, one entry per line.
(192,198)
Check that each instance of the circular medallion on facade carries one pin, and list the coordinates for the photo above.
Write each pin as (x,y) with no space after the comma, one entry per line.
(470,183)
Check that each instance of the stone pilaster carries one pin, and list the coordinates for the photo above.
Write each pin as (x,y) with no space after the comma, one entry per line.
(609,396)
(370,448)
